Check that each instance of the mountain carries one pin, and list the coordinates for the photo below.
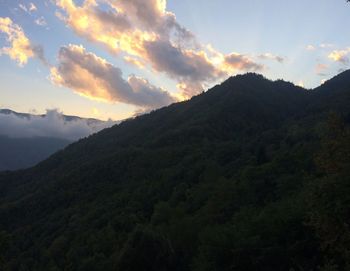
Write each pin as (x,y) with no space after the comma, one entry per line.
(250,175)
(19,153)
(27,139)
(90,121)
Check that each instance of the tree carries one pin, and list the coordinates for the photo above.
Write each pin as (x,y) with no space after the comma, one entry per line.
(330,196)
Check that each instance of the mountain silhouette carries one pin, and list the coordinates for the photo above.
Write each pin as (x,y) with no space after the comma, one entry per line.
(229,180)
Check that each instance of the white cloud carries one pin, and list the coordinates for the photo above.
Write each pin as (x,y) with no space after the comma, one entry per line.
(30,8)
(41,21)
(270,56)
(310,47)
(52,124)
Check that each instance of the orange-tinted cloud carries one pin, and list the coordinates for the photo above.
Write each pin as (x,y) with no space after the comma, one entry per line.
(236,61)
(20,48)
(145,31)
(95,78)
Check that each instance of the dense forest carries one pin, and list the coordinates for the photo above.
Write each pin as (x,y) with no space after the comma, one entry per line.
(251,175)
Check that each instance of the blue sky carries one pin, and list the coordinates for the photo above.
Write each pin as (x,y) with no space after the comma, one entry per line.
(114,59)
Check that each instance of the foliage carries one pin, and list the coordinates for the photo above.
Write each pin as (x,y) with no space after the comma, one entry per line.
(247,176)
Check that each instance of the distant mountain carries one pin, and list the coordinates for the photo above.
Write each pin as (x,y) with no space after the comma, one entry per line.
(250,175)
(27,139)
(90,121)
(19,153)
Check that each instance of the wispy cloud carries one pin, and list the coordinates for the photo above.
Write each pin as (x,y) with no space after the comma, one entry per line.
(312,47)
(321,69)
(270,56)
(41,21)
(95,78)
(29,8)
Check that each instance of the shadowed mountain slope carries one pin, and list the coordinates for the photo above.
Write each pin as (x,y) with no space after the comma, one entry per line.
(225,181)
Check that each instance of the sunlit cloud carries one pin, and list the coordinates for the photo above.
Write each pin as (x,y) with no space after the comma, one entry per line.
(139,63)
(301,84)
(145,32)
(340,56)
(20,48)
(236,61)
(95,78)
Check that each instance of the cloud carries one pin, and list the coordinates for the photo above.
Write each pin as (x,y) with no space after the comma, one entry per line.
(326,45)
(135,61)
(321,69)
(273,57)
(41,21)
(321,46)
(145,32)
(29,8)
(340,56)
(52,124)
(20,49)
(32,7)
(95,78)
(301,84)
(179,63)
(23,7)
(310,47)
(241,62)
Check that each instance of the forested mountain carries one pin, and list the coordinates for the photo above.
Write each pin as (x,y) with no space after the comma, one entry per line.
(250,175)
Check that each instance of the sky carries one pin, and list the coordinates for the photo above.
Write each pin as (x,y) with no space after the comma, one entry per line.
(114,59)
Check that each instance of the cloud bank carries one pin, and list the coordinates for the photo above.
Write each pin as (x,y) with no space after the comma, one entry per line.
(52,124)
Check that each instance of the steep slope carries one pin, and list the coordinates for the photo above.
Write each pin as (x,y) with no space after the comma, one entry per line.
(215,183)
(333,93)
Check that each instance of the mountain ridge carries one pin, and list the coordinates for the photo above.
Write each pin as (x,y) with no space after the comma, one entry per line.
(223,181)
(7,111)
